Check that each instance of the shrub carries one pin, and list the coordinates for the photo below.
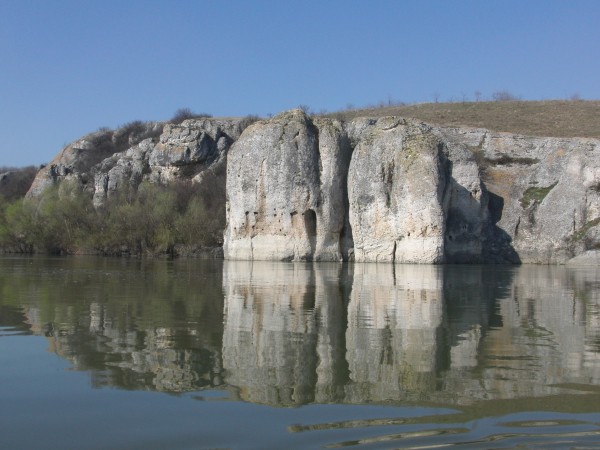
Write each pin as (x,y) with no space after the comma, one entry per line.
(156,218)
(248,120)
(186,113)
(133,133)
(150,220)
(305,108)
(60,221)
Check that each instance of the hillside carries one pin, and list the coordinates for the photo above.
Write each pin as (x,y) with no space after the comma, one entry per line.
(555,118)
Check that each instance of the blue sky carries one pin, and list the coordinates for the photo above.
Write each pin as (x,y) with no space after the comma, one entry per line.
(70,67)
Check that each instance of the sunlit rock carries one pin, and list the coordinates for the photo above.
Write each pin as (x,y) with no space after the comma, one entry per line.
(286,190)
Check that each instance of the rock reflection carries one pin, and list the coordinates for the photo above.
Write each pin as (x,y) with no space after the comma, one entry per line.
(288,334)
(545,334)
(297,333)
(394,317)
(282,338)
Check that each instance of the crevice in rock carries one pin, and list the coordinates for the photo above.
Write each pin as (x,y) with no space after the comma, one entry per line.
(346,234)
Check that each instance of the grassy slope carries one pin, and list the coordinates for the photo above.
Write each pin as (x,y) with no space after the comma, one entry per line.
(556,118)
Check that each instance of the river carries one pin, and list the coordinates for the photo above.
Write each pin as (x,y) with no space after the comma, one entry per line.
(120,353)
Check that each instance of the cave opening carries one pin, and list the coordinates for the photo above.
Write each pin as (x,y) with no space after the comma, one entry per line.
(310,225)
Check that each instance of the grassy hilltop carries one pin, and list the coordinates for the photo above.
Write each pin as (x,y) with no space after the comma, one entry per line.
(552,118)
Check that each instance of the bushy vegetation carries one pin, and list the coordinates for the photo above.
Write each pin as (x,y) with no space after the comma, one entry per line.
(150,220)
(186,113)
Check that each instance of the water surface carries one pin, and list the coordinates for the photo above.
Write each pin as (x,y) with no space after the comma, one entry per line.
(125,353)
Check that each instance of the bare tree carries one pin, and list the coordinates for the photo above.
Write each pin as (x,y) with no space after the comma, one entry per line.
(503,96)
(304,108)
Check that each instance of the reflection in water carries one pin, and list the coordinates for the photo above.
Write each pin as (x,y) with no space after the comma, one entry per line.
(295,333)
(132,324)
(544,340)
(298,333)
(283,338)
(394,318)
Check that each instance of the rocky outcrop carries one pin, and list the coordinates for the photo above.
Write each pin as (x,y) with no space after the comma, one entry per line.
(372,189)
(396,190)
(396,185)
(544,194)
(76,161)
(105,162)
(286,190)
(414,197)
(14,183)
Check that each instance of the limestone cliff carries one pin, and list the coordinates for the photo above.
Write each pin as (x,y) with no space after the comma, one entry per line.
(370,189)
(404,191)
(286,190)
(105,161)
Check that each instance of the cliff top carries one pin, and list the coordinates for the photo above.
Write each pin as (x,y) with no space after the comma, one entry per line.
(551,118)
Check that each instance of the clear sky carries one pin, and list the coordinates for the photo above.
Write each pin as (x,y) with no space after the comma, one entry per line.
(68,67)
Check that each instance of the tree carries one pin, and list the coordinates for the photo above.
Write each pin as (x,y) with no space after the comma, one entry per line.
(503,96)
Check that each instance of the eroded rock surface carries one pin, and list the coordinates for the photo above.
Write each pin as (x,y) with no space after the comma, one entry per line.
(107,162)
(396,188)
(414,193)
(373,190)
(286,190)
(544,196)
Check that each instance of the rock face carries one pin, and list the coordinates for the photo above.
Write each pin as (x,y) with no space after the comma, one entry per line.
(286,190)
(106,161)
(411,193)
(396,184)
(77,160)
(544,196)
(374,190)
(387,189)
